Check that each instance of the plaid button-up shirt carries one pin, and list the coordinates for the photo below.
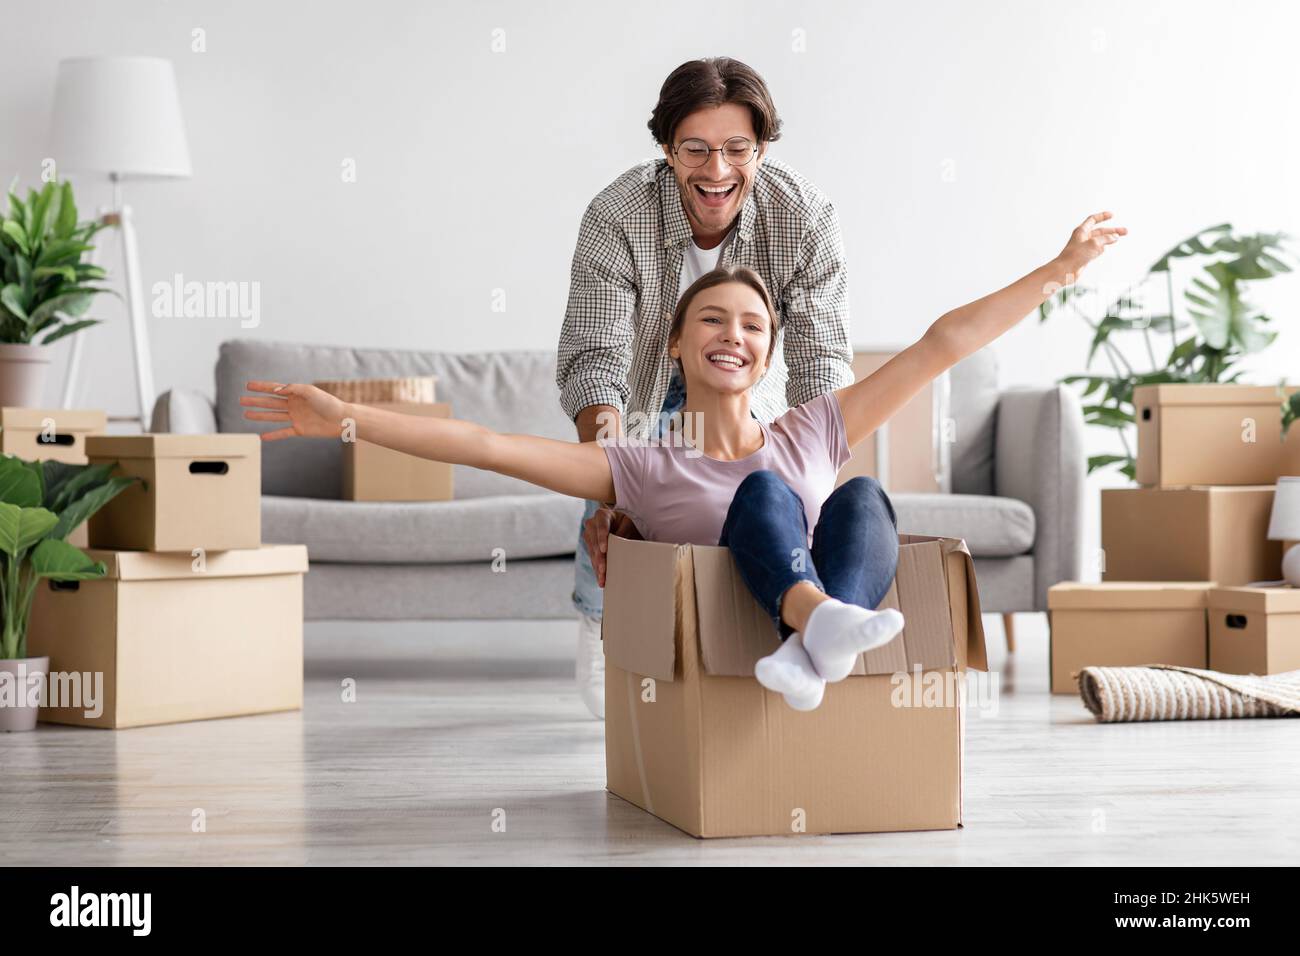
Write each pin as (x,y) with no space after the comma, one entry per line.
(623,288)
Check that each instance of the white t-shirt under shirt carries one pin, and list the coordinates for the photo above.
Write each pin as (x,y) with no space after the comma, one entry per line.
(696,261)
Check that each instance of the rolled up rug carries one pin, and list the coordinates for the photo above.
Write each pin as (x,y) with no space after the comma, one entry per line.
(1163,692)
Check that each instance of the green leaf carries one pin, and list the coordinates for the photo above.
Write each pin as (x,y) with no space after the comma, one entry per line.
(1108,416)
(11,297)
(61,561)
(1101,461)
(68,328)
(54,476)
(67,220)
(68,273)
(14,230)
(20,528)
(18,211)
(40,206)
(76,485)
(1189,247)
(69,303)
(18,486)
(83,507)
(1290,412)
(86,270)
(62,252)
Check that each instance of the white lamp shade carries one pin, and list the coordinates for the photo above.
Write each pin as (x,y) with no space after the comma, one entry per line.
(119,115)
(1284,525)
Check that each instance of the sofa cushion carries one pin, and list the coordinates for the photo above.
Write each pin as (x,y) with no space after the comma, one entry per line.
(425,532)
(505,391)
(992,527)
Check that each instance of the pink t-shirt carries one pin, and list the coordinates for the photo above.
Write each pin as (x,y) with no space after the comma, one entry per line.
(674,494)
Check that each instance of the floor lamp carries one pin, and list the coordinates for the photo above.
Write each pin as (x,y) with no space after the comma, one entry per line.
(120,117)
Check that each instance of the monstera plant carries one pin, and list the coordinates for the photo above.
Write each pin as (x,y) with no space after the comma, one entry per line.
(1218,326)
(41,503)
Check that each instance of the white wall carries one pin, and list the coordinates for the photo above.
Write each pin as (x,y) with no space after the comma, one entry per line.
(960,141)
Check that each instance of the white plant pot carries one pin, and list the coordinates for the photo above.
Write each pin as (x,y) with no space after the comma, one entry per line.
(23,369)
(15,710)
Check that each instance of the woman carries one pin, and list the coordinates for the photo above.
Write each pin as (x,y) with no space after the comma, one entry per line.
(818,561)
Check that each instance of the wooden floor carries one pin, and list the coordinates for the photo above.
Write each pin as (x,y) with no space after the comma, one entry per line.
(452,722)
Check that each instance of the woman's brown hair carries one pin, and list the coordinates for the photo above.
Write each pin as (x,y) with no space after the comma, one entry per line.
(711,82)
(721,276)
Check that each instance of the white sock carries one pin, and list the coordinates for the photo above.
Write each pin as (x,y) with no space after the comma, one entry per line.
(789,671)
(836,633)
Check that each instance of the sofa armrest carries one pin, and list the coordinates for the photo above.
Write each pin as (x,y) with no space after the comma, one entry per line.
(1039,459)
(183,411)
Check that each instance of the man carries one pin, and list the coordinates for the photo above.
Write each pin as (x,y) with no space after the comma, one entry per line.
(714,199)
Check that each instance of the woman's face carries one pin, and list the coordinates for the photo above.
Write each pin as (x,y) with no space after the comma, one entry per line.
(724,339)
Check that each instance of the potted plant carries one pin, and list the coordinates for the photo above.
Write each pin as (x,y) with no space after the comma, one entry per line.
(46,286)
(1221,328)
(41,503)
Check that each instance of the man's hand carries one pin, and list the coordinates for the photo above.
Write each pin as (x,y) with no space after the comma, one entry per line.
(596,532)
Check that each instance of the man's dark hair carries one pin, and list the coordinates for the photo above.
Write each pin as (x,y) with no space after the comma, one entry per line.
(710,83)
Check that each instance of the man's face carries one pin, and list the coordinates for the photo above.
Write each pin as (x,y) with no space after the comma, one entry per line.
(711,212)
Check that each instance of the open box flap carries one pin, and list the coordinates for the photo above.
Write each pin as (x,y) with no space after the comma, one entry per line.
(639,623)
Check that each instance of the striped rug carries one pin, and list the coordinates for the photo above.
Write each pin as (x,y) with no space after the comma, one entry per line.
(1161,692)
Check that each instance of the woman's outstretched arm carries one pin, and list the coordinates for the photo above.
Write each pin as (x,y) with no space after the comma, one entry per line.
(579,469)
(871,402)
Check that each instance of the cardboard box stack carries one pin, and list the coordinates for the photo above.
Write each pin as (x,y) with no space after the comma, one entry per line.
(1180,549)
(41,434)
(693,738)
(195,618)
(374,473)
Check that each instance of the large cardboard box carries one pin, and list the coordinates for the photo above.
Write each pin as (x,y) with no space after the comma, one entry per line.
(1212,435)
(693,738)
(1189,534)
(197,491)
(909,452)
(1254,630)
(178,638)
(375,473)
(39,434)
(1124,624)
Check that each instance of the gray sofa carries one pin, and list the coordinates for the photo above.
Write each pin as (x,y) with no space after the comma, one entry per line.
(1017,482)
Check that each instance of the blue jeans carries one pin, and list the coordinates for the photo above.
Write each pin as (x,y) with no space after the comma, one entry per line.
(588,598)
(854,546)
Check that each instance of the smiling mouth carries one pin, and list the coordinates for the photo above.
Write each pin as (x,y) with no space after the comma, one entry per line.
(724,360)
(715,195)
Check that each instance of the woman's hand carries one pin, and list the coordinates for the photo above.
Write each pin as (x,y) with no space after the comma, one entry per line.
(309,411)
(1087,242)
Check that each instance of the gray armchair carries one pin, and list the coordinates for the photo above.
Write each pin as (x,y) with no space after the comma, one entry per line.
(1017,483)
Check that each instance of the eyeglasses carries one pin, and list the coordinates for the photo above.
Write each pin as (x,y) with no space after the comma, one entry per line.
(737,151)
